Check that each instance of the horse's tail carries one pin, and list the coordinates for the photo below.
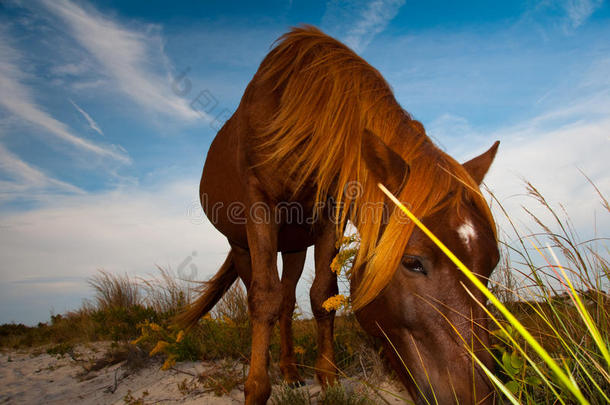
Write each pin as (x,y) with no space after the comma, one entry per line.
(211,292)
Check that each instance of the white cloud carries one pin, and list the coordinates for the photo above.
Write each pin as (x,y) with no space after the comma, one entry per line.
(92,124)
(27,181)
(550,150)
(128,230)
(357,23)
(550,159)
(18,100)
(126,56)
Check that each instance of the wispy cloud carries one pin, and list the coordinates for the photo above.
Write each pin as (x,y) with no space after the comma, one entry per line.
(567,14)
(357,22)
(68,239)
(372,20)
(125,55)
(26,179)
(51,280)
(92,124)
(578,11)
(18,100)
(69,69)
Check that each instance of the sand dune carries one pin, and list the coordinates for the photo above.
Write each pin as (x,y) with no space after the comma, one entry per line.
(35,377)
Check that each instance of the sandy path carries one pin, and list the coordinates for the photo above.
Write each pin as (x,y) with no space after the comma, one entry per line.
(30,378)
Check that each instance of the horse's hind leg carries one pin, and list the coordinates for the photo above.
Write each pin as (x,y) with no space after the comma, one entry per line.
(292,267)
(324,286)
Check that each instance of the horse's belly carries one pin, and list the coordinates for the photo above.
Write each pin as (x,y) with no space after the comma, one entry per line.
(221,189)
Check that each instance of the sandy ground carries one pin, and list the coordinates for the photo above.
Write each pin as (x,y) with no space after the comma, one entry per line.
(37,378)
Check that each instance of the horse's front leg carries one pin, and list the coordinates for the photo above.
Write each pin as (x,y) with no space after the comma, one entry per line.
(324,286)
(264,300)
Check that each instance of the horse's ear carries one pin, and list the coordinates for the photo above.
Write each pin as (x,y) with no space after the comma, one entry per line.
(386,165)
(478,166)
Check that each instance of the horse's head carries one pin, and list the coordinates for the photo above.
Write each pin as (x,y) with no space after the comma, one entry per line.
(425,315)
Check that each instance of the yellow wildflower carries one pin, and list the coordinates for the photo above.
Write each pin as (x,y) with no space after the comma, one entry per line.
(169,363)
(299,350)
(346,240)
(155,327)
(161,345)
(335,266)
(334,303)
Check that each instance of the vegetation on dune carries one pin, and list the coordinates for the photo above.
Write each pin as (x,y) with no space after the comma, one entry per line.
(562,303)
(137,314)
(556,285)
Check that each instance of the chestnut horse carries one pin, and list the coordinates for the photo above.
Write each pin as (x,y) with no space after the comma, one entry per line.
(316,130)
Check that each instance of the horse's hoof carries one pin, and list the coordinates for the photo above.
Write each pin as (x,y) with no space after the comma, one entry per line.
(296,384)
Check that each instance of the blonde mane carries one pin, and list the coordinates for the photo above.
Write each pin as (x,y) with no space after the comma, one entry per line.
(329,96)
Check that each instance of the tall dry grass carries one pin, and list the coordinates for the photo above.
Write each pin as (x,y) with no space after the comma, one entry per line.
(115,290)
(167,293)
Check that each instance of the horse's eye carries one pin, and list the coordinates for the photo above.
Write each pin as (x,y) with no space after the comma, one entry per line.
(413,264)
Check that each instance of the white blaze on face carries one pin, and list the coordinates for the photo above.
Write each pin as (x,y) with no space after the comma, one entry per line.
(467,232)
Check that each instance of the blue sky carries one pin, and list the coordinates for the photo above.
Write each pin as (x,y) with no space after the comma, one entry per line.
(101,148)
